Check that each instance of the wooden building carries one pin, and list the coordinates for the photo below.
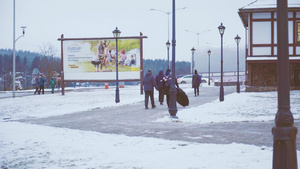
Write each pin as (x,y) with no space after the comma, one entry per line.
(260,22)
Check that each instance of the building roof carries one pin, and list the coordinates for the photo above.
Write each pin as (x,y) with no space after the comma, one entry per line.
(265,6)
(259,4)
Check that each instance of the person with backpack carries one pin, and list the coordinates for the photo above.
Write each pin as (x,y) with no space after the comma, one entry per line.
(167,80)
(159,85)
(196,82)
(149,85)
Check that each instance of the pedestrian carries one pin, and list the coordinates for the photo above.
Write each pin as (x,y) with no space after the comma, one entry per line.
(52,83)
(167,80)
(149,85)
(42,81)
(36,85)
(196,82)
(159,85)
(58,80)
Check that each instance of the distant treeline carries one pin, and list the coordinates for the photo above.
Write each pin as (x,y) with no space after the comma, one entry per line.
(26,60)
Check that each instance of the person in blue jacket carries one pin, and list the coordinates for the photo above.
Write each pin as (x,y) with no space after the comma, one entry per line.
(159,85)
(149,85)
(42,81)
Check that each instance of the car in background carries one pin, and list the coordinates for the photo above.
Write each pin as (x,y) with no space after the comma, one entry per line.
(187,79)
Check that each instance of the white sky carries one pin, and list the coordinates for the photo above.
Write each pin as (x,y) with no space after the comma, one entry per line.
(46,20)
(35,146)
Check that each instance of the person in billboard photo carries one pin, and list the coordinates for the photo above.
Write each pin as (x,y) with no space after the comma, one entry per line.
(132,61)
(101,54)
(123,57)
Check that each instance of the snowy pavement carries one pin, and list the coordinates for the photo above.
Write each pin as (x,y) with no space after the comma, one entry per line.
(52,131)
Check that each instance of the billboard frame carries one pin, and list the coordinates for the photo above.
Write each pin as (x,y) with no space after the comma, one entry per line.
(63,81)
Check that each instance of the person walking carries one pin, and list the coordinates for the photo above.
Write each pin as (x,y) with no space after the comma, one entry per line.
(36,85)
(149,85)
(167,80)
(42,81)
(196,82)
(58,79)
(52,83)
(159,85)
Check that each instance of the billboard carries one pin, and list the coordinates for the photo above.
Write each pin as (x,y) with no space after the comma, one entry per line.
(96,59)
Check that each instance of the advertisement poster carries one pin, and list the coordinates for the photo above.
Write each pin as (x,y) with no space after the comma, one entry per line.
(96,59)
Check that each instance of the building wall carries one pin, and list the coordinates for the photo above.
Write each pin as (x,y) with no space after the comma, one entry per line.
(262,35)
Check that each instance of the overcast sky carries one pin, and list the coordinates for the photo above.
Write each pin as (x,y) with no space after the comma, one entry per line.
(46,20)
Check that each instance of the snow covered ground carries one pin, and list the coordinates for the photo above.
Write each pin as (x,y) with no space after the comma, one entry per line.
(32,146)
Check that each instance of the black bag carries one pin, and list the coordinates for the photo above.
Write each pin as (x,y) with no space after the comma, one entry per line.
(182,98)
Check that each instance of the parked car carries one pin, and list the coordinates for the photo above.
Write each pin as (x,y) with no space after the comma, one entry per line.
(189,78)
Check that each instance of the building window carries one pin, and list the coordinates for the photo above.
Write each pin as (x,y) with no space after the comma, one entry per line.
(298,32)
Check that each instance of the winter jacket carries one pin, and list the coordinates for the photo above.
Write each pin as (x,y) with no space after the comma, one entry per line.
(37,82)
(148,81)
(167,81)
(196,80)
(52,82)
(159,79)
(42,81)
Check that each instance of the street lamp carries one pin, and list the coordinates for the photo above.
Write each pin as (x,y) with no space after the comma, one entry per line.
(14,53)
(173,91)
(117,33)
(168,47)
(209,52)
(221,30)
(168,13)
(237,40)
(284,133)
(198,33)
(193,61)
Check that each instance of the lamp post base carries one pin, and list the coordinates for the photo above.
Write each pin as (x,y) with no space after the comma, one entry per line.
(284,147)
(238,88)
(221,94)
(173,107)
(117,95)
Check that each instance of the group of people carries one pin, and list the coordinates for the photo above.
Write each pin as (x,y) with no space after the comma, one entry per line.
(106,56)
(162,83)
(39,84)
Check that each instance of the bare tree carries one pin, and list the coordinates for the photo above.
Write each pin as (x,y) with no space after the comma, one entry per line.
(48,49)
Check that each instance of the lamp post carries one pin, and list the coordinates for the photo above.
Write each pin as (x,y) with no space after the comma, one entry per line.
(284,133)
(209,52)
(193,61)
(168,13)
(173,91)
(198,33)
(168,47)
(14,53)
(117,33)
(237,40)
(221,30)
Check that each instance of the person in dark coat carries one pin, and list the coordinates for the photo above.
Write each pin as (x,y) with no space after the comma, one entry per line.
(36,85)
(42,81)
(167,80)
(149,85)
(159,85)
(196,82)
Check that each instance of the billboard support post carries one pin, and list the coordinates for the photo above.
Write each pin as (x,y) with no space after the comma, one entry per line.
(142,67)
(62,68)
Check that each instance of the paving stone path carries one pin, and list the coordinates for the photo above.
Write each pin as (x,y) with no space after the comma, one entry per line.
(134,120)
